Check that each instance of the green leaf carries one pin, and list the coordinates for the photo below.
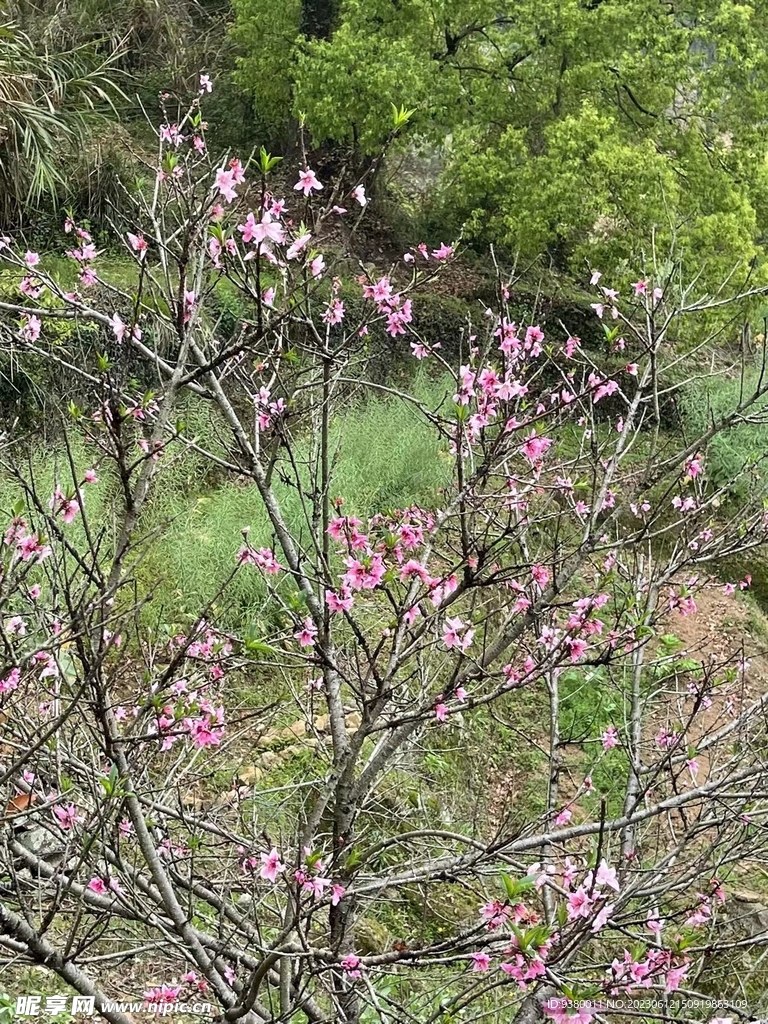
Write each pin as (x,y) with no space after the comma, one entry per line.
(401,116)
(312,858)
(259,647)
(687,665)
(354,859)
(670,642)
(7,1005)
(514,887)
(267,162)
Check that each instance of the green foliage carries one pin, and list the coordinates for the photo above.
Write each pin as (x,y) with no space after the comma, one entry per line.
(583,716)
(597,192)
(266,32)
(514,887)
(347,86)
(576,128)
(390,459)
(47,101)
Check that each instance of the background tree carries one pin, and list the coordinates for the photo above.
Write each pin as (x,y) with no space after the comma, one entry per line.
(265,34)
(575,127)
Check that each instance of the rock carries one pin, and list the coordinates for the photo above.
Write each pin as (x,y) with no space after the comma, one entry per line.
(294,750)
(747,915)
(267,739)
(269,758)
(42,844)
(297,729)
(371,936)
(277,744)
(192,800)
(250,773)
(305,731)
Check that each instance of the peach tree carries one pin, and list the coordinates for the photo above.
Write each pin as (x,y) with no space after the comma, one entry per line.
(574,530)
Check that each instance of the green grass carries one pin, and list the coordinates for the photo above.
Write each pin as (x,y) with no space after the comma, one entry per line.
(385,457)
(731,451)
(49,466)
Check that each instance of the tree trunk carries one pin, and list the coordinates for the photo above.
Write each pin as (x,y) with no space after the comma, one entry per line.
(342,916)
(532,1007)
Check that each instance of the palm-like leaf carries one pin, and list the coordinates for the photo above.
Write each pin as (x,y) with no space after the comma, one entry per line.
(46,102)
